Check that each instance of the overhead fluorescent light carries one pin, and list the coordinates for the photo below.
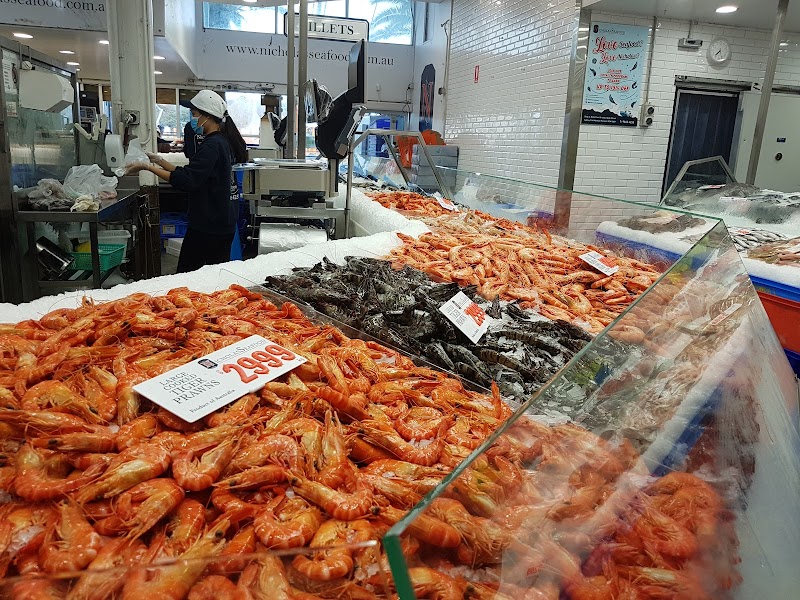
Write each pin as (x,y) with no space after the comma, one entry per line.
(66,52)
(73,64)
(727,9)
(784,44)
(23,36)
(157,73)
(104,42)
(251,1)
(157,57)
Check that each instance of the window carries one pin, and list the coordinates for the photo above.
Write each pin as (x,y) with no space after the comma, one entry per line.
(391,21)
(246,111)
(259,19)
(166,114)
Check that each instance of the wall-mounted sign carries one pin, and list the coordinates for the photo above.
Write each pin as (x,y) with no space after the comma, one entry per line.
(614,64)
(59,14)
(331,28)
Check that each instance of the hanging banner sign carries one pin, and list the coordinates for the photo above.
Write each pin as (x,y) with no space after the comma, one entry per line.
(614,65)
(58,14)
(330,28)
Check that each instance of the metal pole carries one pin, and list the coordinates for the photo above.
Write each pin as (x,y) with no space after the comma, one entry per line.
(290,93)
(302,75)
(766,92)
(572,122)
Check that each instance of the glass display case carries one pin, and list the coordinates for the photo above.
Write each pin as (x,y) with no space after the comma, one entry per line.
(662,461)
(707,187)
(665,467)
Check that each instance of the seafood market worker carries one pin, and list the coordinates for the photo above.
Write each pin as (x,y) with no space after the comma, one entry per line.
(208,180)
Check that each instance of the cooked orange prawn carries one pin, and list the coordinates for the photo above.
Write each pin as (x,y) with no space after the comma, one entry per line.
(287,523)
(217,587)
(326,565)
(195,475)
(77,545)
(664,534)
(115,553)
(133,465)
(57,396)
(338,504)
(146,503)
(41,476)
(173,582)
(334,466)
(423,454)
(100,442)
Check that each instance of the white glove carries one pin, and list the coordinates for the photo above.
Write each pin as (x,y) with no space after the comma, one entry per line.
(154,158)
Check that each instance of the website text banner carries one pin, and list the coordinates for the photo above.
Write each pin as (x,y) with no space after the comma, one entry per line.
(87,15)
(614,66)
(231,56)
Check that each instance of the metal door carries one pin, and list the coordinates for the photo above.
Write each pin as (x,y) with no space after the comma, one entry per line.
(703,125)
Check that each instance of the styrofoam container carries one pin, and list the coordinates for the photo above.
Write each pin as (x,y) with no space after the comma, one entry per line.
(174,246)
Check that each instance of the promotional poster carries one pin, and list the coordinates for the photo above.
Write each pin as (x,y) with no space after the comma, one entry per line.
(614,65)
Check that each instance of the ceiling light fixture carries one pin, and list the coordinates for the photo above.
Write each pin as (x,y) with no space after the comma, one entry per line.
(157,73)
(157,57)
(104,42)
(784,44)
(23,36)
(66,52)
(727,9)
(73,64)
(251,1)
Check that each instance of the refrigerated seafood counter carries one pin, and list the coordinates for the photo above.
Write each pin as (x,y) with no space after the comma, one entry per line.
(478,406)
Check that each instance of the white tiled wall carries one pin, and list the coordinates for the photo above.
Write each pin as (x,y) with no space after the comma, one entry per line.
(629,163)
(511,122)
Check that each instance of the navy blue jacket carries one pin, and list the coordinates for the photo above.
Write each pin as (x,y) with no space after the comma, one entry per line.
(213,193)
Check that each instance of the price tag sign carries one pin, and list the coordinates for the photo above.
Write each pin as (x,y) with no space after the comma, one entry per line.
(602,263)
(470,318)
(444,202)
(724,314)
(206,384)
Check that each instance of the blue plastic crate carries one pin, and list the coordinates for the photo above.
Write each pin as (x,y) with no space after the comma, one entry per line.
(173,225)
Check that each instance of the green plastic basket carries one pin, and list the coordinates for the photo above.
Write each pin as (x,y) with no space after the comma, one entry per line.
(110,257)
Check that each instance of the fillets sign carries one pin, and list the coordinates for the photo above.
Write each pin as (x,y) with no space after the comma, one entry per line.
(614,65)
(331,28)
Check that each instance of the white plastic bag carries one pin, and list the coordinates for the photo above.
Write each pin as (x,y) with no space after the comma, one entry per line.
(88,180)
(134,155)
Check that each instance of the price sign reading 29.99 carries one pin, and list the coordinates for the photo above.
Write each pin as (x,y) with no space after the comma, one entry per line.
(260,362)
(202,386)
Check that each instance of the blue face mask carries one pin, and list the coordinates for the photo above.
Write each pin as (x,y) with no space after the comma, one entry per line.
(196,126)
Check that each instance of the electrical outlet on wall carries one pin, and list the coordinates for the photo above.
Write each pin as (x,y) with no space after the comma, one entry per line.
(647,117)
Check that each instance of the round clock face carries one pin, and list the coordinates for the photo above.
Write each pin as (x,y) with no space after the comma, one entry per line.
(719,51)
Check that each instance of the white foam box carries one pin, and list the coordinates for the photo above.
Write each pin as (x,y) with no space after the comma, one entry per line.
(439,161)
(173,246)
(437,150)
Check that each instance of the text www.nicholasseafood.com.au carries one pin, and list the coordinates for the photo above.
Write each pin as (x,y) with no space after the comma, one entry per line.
(70,4)
(328,55)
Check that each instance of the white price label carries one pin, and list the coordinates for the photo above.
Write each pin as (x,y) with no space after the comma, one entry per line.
(206,384)
(724,314)
(444,202)
(602,263)
(470,318)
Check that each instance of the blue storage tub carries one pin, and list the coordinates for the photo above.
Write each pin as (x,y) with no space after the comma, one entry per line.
(781,290)
(173,225)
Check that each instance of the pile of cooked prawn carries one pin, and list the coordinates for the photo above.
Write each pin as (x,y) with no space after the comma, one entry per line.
(279,494)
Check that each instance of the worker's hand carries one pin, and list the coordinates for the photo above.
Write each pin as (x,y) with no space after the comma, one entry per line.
(134,168)
(155,158)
